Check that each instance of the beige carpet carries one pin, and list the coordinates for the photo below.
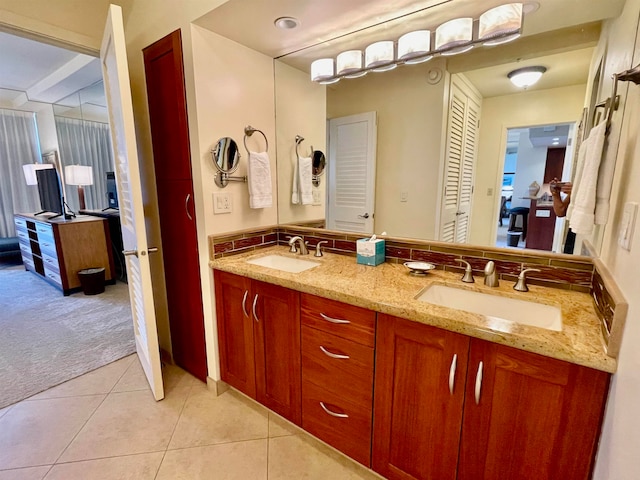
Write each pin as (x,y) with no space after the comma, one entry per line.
(47,338)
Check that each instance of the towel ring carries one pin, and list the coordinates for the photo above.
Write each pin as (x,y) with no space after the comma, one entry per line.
(299,140)
(248,131)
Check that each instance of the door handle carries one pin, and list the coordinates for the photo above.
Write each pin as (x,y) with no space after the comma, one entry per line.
(460,213)
(333,414)
(333,355)
(334,320)
(478,383)
(255,302)
(452,373)
(186,205)
(152,249)
(244,302)
(365,216)
(127,253)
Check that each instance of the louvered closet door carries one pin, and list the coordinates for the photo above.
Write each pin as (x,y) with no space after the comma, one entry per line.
(462,137)
(351,169)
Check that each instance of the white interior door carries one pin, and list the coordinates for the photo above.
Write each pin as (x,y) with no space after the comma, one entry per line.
(116,83)
(352,173)
(462,134)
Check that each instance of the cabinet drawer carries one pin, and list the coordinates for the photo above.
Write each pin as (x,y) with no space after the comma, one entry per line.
(48,246)
(337,421)
(28,263)
(323,364)
(23,235)
(51,263)
(20,223)
(53,276)
(346,321)
(25,250)
(44,229)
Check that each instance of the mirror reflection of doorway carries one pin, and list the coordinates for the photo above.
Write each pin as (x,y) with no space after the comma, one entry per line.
(534,156)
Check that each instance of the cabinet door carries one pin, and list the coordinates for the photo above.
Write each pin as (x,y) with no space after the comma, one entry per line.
(235,331)
(528,416)
(418,398)
(276,312)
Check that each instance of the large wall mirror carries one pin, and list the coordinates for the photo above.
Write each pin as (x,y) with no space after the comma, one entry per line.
(414,107)
(82,127)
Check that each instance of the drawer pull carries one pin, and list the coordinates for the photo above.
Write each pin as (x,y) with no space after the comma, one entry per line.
(334,320)
(244,301)
(452,373)
(333,414)
(333,355)
(478,383)
(255,301)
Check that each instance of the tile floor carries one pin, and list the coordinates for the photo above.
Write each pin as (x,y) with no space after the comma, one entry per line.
(105,425)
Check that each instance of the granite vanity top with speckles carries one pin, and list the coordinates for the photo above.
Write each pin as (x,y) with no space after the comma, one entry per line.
(389,288)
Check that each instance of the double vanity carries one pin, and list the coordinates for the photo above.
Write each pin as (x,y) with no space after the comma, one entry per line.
(416,376)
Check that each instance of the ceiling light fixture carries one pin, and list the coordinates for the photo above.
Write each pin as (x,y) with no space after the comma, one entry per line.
(286,23)
(497,25)
(527,76)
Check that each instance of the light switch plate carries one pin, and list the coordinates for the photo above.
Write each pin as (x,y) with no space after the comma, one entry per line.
(404,196)
(627,225)
(317,196)
(222,202)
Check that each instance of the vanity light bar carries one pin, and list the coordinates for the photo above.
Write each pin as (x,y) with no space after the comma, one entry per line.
(497,25)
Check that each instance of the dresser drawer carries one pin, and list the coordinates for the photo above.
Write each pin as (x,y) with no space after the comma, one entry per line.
(338,365)
(28,263)
(51,263)
(53,276)
(337,421)
(20,222)
(23,235)
(346,321)
(25,250)
(48,246)
(44,229)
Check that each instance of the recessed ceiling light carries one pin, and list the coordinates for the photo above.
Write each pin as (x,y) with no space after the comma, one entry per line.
(286,23)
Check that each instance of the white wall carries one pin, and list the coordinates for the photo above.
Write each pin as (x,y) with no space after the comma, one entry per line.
(533,108)
(529,168)
(410,145)
(300,110)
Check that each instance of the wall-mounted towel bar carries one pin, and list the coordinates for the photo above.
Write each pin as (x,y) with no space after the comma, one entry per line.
(299,140)
(612,103)
(248,131)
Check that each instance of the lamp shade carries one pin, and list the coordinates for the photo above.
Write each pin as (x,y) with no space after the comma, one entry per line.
(322,70)
(30,171)
(455,36)
(527,76)
(78,175)
(379,56)
(414,47)
(500,24)
(350,62)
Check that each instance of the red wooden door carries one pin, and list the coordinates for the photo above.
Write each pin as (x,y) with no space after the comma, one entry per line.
(532,417)
(416,429)
(172,159)
(277,349)
(235,331)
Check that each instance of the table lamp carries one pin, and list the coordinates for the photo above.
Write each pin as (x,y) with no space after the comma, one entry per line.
(81,176)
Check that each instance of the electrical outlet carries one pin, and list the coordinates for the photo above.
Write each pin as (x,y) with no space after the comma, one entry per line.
(627,225)
(222,203)
(404,196)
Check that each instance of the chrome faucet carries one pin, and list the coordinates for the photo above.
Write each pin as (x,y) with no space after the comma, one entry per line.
(319,248)
(301,247)
(521,284)
(468,272)
(490,275)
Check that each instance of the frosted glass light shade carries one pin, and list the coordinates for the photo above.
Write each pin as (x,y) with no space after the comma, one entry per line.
(379,56)
(322,69)
(527,76)
(455,36)
(500,24)
(30,171)
(413,47)
(78,175)
(349,62)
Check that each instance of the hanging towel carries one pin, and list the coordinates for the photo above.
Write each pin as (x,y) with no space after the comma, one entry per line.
(583,201)
(259,180)
(305,185)
(603,190)
(295,188)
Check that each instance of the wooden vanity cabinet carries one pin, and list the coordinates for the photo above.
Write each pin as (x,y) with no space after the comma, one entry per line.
(337,374)
(506,414)
(259,341)
(419,395)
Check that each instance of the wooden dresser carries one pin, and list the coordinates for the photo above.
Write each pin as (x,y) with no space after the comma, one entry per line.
(58,249)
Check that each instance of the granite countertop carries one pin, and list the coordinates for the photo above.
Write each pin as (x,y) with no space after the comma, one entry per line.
(389,288)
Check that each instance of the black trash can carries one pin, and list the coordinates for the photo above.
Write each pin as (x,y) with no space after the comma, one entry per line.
(513,238)
(92,280)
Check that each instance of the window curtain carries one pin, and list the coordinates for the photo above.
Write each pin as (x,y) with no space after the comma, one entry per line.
(19,145)
(83,142)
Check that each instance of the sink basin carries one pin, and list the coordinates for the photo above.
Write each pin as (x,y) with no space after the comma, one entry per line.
(284,264)
(494,307)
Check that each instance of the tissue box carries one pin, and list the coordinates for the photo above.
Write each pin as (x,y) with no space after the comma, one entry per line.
(370,253)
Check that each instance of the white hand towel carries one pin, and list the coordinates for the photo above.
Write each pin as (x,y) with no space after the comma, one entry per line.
(295,188)
(583,201)
(603,189)
(305,185)
(259,180)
